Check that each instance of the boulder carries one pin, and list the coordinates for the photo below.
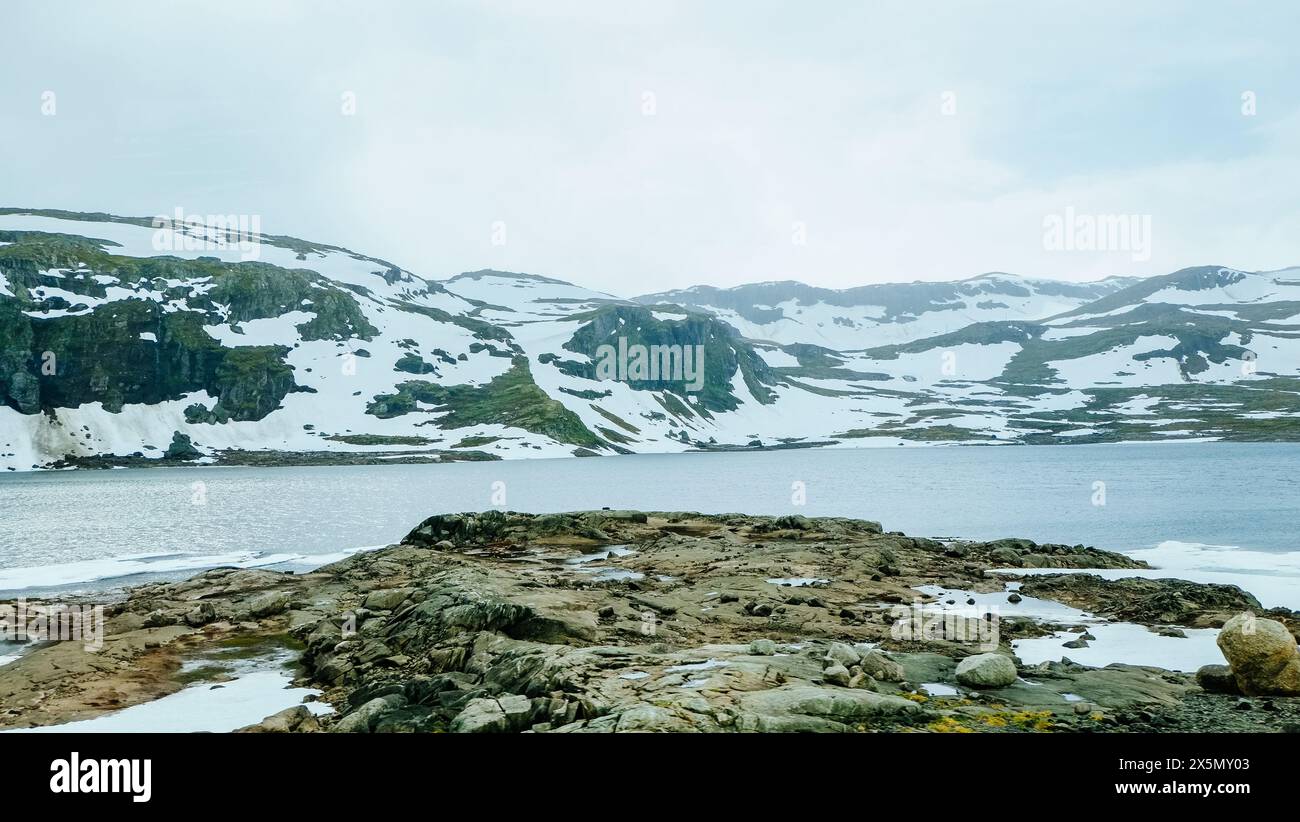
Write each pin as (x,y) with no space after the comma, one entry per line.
(762,647)
(487,526)
(386,599)
(878,666)
(201,614)
(1006,556)
(1262,654)
(158,618)
(488,715)
(986,671)
(181,448)
(372,650)
(291,720)
(407,719)
(364,719)
(268,604)
(1217,679)
(841,654)
(836,675)
(861,680)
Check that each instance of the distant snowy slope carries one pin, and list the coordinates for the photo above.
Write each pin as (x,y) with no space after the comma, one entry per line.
(122,346)
(874,315)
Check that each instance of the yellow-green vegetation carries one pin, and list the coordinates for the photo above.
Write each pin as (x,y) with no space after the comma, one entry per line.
(381,439)
(931,433)
(949,725)
(996,719)
(616,419)
(1039,721)
(511,399)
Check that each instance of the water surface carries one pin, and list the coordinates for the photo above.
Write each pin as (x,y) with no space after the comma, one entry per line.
(58,529)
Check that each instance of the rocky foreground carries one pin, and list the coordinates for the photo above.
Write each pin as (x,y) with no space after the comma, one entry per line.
(627,621)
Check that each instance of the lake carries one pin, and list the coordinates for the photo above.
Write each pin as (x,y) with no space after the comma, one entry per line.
(1229,506)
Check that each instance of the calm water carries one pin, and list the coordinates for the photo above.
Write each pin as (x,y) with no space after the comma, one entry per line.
(66,528)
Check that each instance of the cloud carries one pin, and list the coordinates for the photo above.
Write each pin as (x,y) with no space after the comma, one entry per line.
(766,123)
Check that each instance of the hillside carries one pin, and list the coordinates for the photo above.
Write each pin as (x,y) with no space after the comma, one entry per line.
(887,313)
(118,349)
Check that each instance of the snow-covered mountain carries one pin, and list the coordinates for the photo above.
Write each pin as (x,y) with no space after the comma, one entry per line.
(122,343)
(887,313)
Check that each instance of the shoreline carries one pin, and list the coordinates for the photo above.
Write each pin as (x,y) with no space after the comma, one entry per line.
(328,458)
(697,622)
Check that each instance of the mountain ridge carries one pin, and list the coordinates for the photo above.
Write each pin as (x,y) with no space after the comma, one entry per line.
(113,352)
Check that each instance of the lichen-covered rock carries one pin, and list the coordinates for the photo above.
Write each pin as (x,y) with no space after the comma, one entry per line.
(836,675)
(365,718)
(458,528)
(268,604)
(509,712)
(762,647)
(841,654)
(511,629)
(839,705)
(387,599)
(879,666)
(986,671)
(201,614)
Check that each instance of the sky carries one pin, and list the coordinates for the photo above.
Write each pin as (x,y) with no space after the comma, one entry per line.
(638,147)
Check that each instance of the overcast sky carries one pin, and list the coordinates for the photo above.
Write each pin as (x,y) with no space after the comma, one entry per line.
(638,147)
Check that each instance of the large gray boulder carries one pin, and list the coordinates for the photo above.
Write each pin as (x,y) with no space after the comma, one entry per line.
(839,653)
(1262,654)
(269,604)
(386,599)
(365,718)
(201,614)
(1217,679)
(836,675)
(878,666)
(504,714)
(986,671)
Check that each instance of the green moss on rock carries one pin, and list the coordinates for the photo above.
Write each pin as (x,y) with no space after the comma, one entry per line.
(512,399)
